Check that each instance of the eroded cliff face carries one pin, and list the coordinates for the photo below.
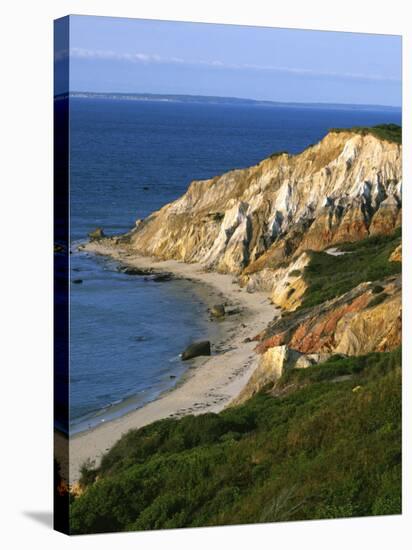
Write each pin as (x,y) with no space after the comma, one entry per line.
(355,323)
(352,324)
(274,362)
(396,255)
(260,224)
(286,285)
(344,188)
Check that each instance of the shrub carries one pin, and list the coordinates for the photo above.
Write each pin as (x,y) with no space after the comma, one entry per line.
(321,450)
(278,154)
(377,289)
(388,132)
(378,299)
(88,473)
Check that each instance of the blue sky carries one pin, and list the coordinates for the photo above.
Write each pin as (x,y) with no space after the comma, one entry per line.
(131,55)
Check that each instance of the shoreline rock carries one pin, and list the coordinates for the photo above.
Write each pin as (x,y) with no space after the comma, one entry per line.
(127,270)
(218,311)
(196,349)
(162,277)
(96,234)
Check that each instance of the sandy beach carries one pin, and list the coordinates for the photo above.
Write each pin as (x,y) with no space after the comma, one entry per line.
(212,382)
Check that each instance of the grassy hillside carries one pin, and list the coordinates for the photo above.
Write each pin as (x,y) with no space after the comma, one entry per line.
(367,260)
(324,443)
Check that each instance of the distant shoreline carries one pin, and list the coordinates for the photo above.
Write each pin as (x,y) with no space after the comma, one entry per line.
(220,100)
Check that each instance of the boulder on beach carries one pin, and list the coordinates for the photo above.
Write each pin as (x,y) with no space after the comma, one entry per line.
(162,277)
(96,234)
(196,349)
(218,311)
(128,270)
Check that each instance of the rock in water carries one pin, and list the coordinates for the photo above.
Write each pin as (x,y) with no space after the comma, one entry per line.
(218,311)
(96,234)
(196,349)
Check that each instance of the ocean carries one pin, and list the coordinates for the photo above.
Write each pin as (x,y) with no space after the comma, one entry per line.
(127,159)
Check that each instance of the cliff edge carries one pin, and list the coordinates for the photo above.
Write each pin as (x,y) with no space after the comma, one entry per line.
(320,231)
(344,188)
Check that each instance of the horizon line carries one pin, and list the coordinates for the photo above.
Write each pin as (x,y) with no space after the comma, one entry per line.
(233,98)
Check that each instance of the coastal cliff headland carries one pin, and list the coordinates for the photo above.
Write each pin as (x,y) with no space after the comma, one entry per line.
(345,188)
(309,247)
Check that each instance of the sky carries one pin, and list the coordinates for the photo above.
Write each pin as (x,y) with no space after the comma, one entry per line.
(142,56)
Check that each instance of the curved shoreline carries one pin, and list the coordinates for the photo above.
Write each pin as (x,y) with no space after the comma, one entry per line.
(210,384)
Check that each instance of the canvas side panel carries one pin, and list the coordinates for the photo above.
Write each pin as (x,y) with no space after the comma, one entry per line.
(61,274)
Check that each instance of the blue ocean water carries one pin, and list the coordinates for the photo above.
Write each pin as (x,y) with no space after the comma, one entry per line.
(127,159)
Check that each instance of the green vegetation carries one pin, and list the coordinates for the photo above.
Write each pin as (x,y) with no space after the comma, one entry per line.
(377,289)
(328,446)
(367,260)
(295,273)
(376,300)
(388,132)
(278,154)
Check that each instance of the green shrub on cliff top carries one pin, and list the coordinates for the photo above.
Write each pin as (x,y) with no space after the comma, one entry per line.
(388,132)
(323,450)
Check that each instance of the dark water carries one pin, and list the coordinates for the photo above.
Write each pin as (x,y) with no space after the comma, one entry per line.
(128,158)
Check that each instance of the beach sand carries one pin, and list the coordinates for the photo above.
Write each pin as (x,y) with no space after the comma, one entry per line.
(212,382)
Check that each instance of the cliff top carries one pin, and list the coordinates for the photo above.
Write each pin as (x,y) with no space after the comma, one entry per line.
(387,132)
(390,133)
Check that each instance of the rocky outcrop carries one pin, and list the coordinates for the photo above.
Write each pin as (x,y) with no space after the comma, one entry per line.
(286,285)
(196,350)
(96,234)
(218,311)
(376,328)
(387,217)
(396,255)
(261,224)
(353,324)
(273,363)
(344,188)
